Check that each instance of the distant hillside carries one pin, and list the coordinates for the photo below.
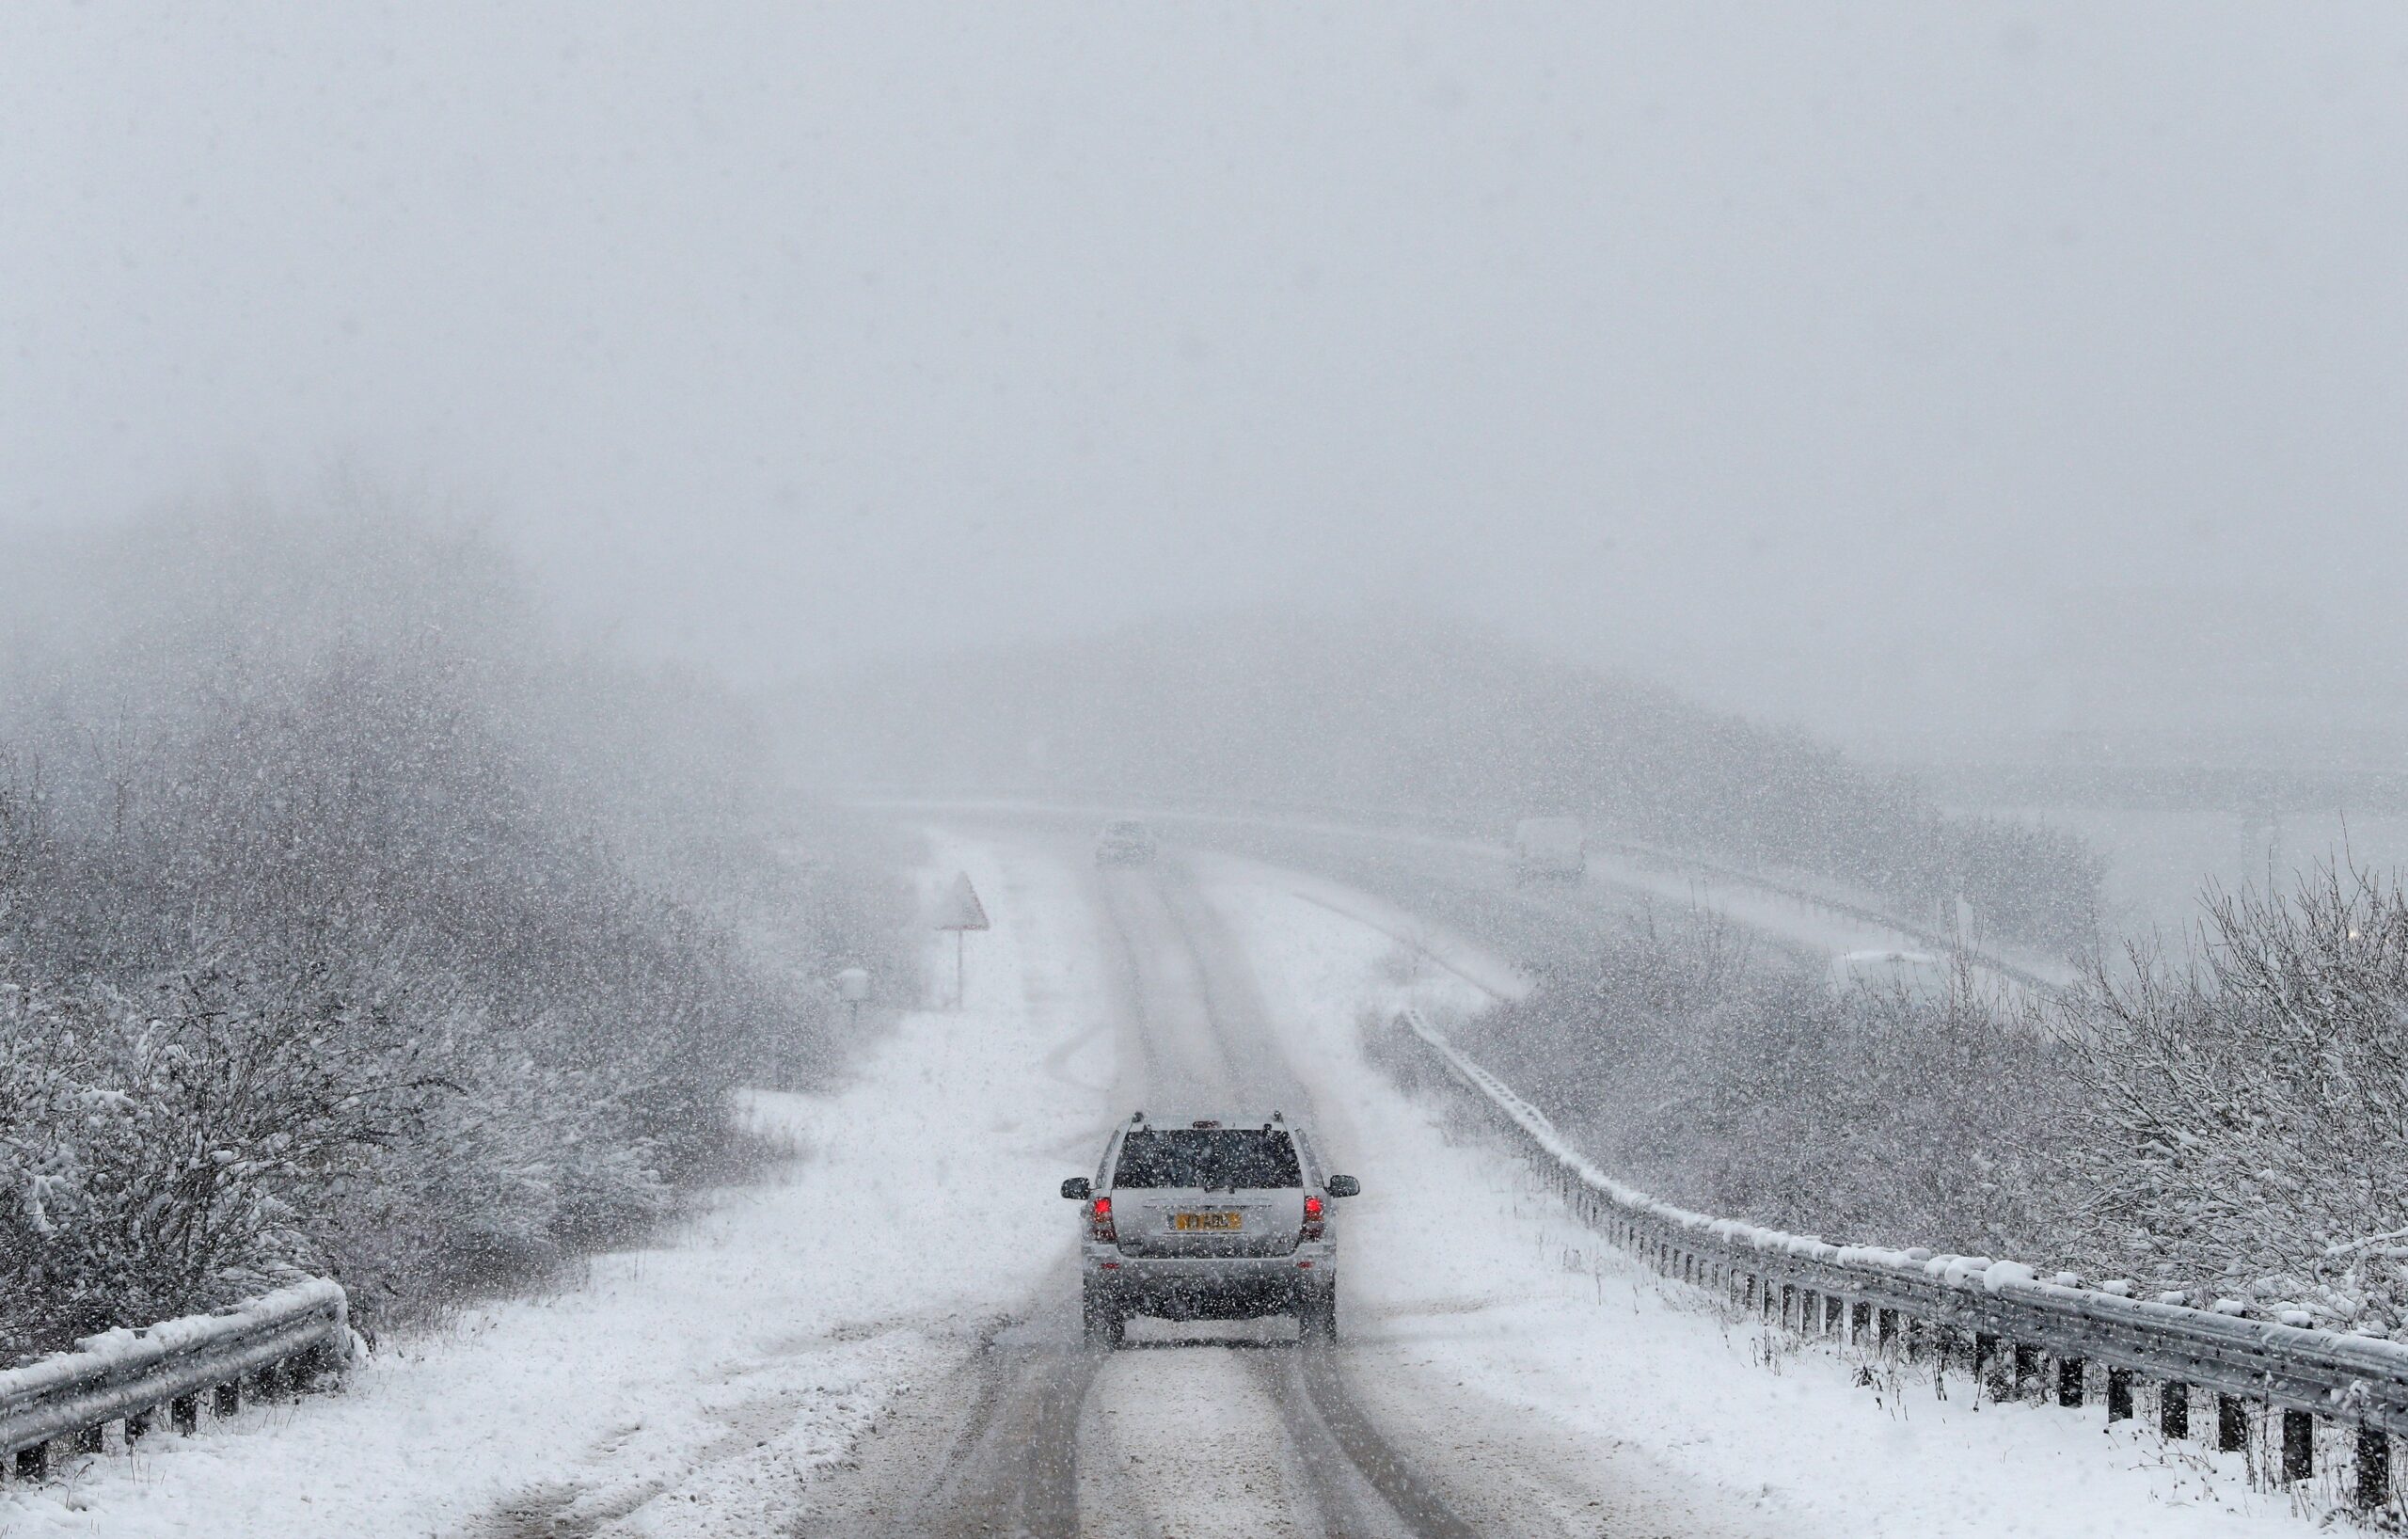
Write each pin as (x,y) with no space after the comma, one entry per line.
(1412,715)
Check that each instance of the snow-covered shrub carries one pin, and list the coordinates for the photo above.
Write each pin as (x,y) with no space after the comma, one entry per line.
(351,919)
(1700,1069)
(2229,1123)
(164,1148)
(530,1159)
(2244,1121)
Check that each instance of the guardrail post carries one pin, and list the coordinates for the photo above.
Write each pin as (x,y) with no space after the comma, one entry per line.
(228,1401)
(2174,1411)
(184,1411)
(2027,1368)
(2299,1446)
(1985,1349)
(2232,1424)
(304,1369)
(2119,1395)
(33,1464)
(2070,1381)
(2375,1467)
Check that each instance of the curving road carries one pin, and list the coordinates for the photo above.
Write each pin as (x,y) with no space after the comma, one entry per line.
(1236,1429)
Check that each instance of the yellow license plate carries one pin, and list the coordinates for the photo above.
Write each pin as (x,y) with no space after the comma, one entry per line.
(1216,1223)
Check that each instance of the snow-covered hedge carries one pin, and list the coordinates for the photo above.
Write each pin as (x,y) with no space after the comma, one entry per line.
(2244,1117)
(1722,1074)
(2225,1125)
(353,920)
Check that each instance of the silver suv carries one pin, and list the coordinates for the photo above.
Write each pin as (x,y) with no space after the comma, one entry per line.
(1211,1219)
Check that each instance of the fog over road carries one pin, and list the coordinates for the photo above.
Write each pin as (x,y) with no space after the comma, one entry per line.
(1467,884)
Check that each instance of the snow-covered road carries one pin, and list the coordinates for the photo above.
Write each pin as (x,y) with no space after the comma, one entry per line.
(885,1343)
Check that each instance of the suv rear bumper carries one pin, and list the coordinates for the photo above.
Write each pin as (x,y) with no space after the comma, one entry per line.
(1211,1287)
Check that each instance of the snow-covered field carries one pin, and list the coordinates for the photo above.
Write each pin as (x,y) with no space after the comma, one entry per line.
(1464,1275)
(692,1387)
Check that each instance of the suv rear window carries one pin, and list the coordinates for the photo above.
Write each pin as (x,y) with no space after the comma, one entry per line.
(1211,1159)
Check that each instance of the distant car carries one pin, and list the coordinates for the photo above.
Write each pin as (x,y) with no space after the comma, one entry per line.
(1549,849)
(1125,842)
(1211,1219)
(1918,976)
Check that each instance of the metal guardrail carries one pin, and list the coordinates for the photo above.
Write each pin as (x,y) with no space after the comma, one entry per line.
(1990,1314)
(283,1338)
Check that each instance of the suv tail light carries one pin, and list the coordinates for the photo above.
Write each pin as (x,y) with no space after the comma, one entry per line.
(1312,1219)
(1100,1225)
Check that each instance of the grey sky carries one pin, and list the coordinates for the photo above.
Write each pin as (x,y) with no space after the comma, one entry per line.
(1814,357)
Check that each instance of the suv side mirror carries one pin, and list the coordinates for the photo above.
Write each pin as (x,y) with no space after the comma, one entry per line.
(1077,1189)
(1345,1186)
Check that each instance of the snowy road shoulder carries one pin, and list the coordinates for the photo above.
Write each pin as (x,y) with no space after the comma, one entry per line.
(694,1388)
(1477,1302)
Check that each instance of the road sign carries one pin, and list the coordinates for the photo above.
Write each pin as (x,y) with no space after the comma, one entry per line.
(959,909)
(960,912)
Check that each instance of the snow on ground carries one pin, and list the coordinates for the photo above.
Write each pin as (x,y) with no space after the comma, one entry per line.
(690,1388)
(1461,1270)
(1490,975)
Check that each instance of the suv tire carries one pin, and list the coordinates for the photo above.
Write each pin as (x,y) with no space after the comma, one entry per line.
(1100,1315)
(1317,1316)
